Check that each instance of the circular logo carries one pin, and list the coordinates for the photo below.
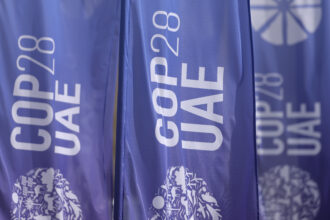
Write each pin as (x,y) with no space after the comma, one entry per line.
(285,22)
(44,194)
(184,196)
(287,192)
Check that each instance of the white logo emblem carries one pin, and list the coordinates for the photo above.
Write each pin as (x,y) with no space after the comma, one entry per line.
(43,194)
(287,192)
(285,22)
(184,196)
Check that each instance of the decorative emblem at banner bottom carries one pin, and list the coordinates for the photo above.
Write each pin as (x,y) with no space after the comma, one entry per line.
(44,194)
(184,196)
(285,22)
(287,192)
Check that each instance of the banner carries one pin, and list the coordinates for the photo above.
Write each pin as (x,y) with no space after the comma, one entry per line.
(291,50)
(186,112)
(57,85)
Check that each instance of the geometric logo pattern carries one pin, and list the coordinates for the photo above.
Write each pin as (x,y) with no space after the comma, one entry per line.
(44,194)
(288,193)
(184,196)
(285,22)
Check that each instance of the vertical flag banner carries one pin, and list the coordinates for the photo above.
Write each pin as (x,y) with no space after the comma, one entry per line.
(57,83)
(186,112)
(292,73)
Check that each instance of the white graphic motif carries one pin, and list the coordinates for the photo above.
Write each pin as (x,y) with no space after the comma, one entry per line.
(285,22)
(184,196)
(43,194)
(288,193)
